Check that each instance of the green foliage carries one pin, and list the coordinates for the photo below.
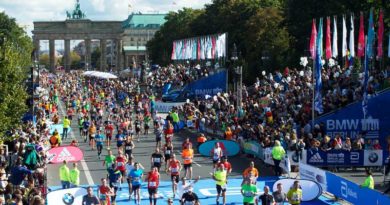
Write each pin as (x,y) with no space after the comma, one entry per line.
(95,58)
(17,48)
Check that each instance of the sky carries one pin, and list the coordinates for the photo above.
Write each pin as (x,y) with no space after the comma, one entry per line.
(27,11)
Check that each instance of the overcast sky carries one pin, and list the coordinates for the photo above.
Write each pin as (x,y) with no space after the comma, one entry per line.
(27,11)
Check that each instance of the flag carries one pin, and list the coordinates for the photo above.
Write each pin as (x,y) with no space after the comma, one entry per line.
(344,45)
(313,39)
(365,83)
(380,35)
(328,50)
(388,52)
(352,39)
(370,35)
(318,85)
(335,51)
(360,51)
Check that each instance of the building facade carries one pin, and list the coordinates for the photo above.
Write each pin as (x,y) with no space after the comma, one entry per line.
(138,29)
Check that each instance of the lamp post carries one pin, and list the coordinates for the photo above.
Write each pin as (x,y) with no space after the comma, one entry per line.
(238,73)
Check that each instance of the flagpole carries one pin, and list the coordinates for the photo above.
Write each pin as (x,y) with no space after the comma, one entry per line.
(313,97)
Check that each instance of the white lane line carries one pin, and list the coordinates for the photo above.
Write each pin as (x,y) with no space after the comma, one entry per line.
(193,161)
(82,162)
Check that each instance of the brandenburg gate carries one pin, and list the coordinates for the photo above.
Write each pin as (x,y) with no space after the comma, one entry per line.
(77,27)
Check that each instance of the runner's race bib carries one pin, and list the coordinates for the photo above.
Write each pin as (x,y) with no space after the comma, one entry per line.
(156,160)
(152,184)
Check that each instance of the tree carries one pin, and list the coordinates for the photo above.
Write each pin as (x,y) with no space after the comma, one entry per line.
(17,47)
(44,60)
(95,58)
(74,60)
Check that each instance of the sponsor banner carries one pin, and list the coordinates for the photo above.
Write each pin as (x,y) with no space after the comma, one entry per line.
(295,157)
(311,189)
(66,196)
(253,148)
(345,158)
(162,107)
(314,174)
(373,157)
(69,153)
(211,85)
(350,121)
(284,164)
(353,193)
(229,148)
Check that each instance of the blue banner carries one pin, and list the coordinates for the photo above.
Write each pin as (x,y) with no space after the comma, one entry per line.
(229,148)
(211,85)
(254,148)
(345,158)
(353,193)
(350,121)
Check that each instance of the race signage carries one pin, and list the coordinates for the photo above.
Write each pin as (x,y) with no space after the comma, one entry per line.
(69,153)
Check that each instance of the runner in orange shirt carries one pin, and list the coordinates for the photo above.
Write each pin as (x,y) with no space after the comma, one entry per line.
(187,155)
(251,173)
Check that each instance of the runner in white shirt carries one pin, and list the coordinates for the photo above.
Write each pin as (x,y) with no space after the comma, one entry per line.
(184,186)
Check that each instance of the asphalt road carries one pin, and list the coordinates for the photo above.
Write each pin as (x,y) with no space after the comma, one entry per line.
(92,169)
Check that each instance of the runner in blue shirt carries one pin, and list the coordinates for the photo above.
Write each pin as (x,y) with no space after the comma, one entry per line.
(136,181)
(99,138)
(86,125)
(120,137)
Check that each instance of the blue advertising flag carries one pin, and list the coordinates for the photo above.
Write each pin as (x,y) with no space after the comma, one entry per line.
(318,96)
(370,35)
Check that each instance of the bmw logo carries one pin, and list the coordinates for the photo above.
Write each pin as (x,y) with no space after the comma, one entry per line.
(68,199)
(373,157)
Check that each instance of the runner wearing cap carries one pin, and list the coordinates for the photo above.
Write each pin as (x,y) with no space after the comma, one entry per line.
(153,179)
(174,168)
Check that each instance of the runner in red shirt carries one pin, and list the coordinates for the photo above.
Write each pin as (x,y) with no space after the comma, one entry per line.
(174,168)
(105,192)
(227,166)
(153,179)
(121,165)
(109,129)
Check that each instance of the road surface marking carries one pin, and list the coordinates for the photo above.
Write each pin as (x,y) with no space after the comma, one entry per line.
(82,162)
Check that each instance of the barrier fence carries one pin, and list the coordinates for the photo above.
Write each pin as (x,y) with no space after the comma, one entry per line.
(342,188)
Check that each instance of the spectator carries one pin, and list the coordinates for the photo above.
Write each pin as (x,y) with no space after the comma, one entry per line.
(277,155)
(347,144)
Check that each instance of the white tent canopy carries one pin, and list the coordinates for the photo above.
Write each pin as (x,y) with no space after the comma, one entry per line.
(99,74)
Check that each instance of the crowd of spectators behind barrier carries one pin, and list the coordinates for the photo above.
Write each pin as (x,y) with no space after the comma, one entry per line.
(279,105)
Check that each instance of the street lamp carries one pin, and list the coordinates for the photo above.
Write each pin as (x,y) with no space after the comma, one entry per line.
(238,73)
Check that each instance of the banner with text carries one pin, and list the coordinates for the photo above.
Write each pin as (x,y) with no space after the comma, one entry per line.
(349,121)
(211,85)
(163,107)
(345,158)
